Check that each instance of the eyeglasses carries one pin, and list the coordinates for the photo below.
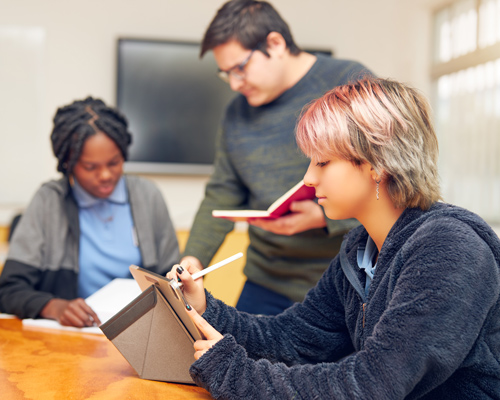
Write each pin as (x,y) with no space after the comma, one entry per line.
(237,71)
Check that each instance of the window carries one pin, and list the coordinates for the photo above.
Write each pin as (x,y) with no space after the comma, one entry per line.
(466,80)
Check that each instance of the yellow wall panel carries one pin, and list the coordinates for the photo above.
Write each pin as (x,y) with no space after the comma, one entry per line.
(226,282)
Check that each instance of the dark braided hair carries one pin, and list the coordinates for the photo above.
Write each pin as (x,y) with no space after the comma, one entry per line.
(76,122)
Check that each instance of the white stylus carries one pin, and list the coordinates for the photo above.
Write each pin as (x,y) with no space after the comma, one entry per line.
(215,266)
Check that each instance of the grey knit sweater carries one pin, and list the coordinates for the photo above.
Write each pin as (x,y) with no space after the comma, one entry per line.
(429,328)
(257,161)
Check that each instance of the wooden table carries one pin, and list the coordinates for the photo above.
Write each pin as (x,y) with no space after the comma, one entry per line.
(42,364)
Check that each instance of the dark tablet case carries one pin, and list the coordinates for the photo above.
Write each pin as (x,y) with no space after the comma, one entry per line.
(151,337)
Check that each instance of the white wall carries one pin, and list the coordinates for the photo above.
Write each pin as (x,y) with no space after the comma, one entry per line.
(74,56)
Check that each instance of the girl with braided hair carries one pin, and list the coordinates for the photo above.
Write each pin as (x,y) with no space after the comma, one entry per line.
(85,229)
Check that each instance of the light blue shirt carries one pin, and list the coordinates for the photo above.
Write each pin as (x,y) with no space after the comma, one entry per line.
(108,242)
(366,256)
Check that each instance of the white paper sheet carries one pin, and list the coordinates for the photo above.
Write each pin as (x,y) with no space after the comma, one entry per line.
(106,302)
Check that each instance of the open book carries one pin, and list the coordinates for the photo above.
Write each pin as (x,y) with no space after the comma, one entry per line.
(280,207)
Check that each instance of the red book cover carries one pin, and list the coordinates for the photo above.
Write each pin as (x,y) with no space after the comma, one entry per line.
(280,207)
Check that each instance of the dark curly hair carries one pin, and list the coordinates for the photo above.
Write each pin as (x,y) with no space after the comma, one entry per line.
(76,122)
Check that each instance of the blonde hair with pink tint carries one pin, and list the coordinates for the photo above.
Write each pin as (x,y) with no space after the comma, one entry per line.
(381,122)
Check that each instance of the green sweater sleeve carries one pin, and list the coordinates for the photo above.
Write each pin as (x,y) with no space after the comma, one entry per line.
(223,191)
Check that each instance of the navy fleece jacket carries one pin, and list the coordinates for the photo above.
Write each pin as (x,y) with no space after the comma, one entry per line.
(429,328)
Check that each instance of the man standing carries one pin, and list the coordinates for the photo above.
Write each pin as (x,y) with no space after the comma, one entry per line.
(257,159)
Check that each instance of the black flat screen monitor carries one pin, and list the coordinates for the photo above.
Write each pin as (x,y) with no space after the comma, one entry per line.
(174,103)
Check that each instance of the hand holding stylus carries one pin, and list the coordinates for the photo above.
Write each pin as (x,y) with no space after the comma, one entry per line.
(188,276)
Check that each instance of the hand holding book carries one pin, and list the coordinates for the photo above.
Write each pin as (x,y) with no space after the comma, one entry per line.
(305,215)
(279,208)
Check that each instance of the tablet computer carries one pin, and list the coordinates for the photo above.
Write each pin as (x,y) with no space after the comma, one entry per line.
(172,293)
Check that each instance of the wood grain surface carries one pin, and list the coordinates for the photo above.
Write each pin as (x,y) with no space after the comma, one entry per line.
(47,364)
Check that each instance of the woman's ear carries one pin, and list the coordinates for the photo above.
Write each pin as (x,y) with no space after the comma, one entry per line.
(376,176)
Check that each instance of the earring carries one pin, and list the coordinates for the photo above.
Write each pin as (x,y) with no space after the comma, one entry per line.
(378,183)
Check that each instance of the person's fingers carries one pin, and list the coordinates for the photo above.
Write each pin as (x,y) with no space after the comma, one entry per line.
(183,275)
(79,314)
(171,274)
(211,334)
(91,313)
(205,328)
(192,264)
(185,265)
(200,351)
(70,318)
(192,290)
(84,312)
(301,206)
(202,346)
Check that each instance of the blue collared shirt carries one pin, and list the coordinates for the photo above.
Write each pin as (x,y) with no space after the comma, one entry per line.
(366,256)
(108,243)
